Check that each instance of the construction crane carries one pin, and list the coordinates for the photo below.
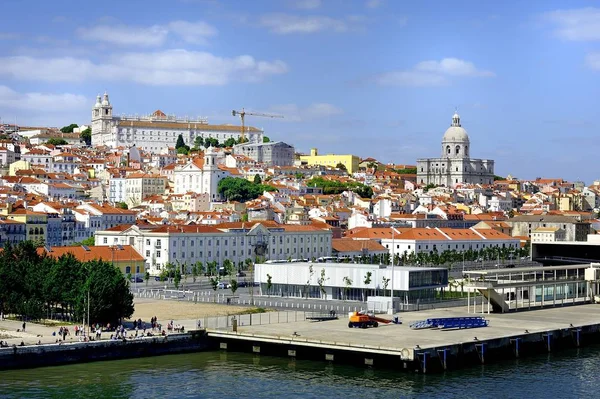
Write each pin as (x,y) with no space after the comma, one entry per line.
(243,114)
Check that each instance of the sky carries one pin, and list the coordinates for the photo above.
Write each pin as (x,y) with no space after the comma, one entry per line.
(374,78)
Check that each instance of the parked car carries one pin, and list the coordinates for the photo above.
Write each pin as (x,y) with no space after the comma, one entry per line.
(241,274)
(223,285)
(242,284)
(137,280)
(156,278)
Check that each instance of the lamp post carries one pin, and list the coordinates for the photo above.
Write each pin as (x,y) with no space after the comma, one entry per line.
(392,279)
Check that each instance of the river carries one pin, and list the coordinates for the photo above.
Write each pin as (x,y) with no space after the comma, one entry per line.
(569,374)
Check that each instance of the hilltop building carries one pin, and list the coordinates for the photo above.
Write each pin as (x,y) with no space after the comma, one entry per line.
(332,160)
(157,131)
(274,153)
(455,167)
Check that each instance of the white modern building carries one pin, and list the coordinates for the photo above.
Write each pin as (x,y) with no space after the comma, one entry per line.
(455,166)
(347,281)
(157,131)
(238,241)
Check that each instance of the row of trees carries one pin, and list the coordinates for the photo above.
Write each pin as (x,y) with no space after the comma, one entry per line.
(200,141)
(337,187)
(242,190)
(37,286)
(446,257)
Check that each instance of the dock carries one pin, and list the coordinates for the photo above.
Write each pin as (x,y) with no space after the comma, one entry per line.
(508,335)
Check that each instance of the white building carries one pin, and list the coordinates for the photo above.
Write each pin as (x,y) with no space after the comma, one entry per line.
(201,175)
(237,242)
(116,189)
(455,166)
(156,131)
(447,239)
(140,185)
(347,280)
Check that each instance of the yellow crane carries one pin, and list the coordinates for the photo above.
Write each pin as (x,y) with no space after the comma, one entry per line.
(243,114)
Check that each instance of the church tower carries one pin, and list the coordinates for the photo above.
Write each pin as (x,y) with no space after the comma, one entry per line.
(210,172)
(101,120)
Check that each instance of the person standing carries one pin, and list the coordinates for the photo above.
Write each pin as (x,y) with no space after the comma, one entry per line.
(23,326)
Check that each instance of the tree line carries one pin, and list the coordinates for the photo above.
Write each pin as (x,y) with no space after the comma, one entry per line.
(242,190)
(337,187)
(37,286)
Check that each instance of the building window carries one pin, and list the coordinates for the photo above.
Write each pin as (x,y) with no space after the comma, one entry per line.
(105,240)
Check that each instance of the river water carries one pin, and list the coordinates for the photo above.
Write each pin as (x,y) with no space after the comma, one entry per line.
(569,374)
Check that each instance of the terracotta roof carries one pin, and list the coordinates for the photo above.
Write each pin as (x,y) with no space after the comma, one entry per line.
(107,253)
(350,245)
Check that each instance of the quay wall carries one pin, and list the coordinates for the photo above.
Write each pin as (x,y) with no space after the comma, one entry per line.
(454,355)
(18,357)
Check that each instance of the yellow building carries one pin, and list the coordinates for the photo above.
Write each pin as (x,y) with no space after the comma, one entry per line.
(331,160)
(124,257)
(36,223)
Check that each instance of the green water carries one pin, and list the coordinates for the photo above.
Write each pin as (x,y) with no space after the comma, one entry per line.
(230,375)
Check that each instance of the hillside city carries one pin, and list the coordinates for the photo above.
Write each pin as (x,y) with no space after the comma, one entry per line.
(151,191)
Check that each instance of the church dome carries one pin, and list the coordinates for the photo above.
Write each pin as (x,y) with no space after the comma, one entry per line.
(456,133)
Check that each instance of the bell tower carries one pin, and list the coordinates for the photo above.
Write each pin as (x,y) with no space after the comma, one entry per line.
(101,120)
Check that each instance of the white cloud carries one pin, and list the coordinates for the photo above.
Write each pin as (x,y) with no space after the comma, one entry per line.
(286,23)
(126,35)
(42,102)
(169,67)
(307,4)
(576,24)
(452,66)
(295,113)
(592,60)
(152,36)
(373,3)
(192,32)
(432,73)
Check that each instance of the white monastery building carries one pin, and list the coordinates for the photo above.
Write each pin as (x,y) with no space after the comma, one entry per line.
(455,167)
(156,131)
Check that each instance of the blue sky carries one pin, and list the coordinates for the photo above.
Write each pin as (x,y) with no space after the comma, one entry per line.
(373,78)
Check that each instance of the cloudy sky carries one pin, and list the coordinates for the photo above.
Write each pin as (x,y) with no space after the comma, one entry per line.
(377,78)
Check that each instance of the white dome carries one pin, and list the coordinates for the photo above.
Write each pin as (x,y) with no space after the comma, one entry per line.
(456,134)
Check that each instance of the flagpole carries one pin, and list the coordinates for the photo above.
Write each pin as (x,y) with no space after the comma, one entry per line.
(392,279)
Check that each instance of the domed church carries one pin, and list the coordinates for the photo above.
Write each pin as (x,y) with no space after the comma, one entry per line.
(455,167)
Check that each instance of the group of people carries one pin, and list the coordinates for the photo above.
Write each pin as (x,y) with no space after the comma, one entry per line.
(176,327)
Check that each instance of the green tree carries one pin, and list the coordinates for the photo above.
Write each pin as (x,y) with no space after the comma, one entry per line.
(177,278)
(233,286)
(57,141)
(238,189)
(147,277)
(214,283)
(69,128)
(199,142)
(347,285)
(196,270)
(321,282)
(185,150)
(367,280)
(341,166)
(229,267)
(429,187)
(230,142)
(89,242)
(122,205)
(180,143)
(269,283)
(266,139)
(86,136)
(257,179)
(385,282)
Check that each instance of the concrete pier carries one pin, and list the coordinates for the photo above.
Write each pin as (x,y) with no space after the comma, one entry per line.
(514,334)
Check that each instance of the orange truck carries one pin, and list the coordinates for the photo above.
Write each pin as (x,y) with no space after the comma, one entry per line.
(362,320)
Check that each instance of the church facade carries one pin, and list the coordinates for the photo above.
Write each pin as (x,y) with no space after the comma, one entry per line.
(455,166)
